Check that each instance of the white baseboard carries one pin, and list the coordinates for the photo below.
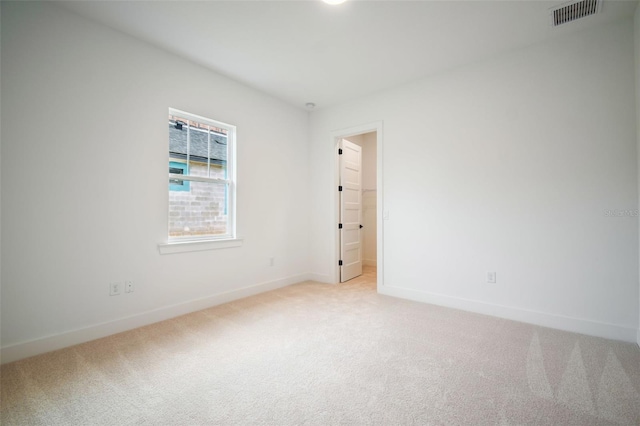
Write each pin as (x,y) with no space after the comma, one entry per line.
(576,325)
(370,262)
(62,340)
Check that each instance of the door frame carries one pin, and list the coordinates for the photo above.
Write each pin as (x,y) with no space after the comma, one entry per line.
(336,137)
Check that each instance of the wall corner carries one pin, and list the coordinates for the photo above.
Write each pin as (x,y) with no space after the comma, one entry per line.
(636,39)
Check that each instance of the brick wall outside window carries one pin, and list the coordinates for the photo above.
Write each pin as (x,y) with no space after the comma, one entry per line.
(201,210)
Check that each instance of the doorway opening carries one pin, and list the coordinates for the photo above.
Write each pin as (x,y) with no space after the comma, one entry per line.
(358,204)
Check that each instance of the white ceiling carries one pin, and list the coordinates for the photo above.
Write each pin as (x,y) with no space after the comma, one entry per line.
(307,51)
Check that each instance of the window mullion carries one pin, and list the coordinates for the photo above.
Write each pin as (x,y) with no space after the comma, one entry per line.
(209,151)
(198,178)
(188,145)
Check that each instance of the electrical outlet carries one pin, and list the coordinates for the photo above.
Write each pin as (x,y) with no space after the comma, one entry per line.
(115,289)
(272,261)
(128,286)
(491,277)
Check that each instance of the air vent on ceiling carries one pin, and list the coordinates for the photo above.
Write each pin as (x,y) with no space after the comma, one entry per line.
(575,10)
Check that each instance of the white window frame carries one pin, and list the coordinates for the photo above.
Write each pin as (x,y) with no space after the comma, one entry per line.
(180,244)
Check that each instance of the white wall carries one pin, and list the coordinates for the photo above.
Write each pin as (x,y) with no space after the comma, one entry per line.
(84,182)
(507,165)
(0,190)
(636,27)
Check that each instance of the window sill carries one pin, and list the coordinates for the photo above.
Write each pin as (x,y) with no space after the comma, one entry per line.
(187,246)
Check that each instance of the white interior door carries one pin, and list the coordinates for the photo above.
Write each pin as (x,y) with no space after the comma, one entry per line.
(350,210)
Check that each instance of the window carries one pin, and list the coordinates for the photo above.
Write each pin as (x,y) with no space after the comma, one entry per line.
(201,178)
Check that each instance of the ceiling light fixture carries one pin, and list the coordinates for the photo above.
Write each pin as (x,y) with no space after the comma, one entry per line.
(310,105)
(334,2)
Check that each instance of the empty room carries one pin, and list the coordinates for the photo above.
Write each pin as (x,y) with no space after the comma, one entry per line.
(320,212)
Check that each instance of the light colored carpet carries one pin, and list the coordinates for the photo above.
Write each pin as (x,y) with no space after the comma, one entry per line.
(320,354)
